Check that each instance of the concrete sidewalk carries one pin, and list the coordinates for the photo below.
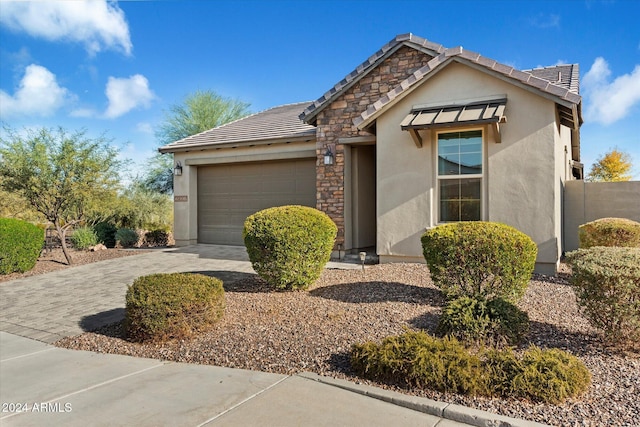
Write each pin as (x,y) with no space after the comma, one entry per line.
(41,385)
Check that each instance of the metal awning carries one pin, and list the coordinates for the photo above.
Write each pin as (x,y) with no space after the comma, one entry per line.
(474,113)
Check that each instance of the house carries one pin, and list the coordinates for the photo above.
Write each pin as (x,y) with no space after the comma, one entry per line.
(415,136)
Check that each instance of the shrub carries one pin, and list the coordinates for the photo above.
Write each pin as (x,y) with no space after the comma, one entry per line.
(20,245)
(106,233)
(289,245)
(127,237)
(83,238)
(549,376)
(479,259)
(607,286)
(478,321)
(419,360)
(176,305)
(610,232)
(157,238)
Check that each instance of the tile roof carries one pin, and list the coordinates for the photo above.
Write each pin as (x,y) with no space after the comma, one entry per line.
(361,70)
(277,123)
(559,93)
(565,75)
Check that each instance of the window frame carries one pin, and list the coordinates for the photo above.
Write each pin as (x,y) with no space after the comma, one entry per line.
(481,176)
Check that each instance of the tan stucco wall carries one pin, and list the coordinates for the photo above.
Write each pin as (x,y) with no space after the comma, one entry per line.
(522,187)
(588,201)
(185,213)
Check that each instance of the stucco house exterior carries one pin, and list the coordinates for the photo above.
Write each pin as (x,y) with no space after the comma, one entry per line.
(417,135)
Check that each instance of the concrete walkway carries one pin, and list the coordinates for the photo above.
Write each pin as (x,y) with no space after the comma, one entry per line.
(44,385)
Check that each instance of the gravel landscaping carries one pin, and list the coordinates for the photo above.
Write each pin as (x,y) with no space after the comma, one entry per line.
(290,332)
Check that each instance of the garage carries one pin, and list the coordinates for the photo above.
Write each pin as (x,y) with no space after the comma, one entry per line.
(228,193)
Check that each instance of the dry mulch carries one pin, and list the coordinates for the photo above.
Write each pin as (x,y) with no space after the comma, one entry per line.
(54,260)
(290,332)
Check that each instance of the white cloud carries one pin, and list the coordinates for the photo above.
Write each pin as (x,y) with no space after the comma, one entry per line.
(97,24)
(83,113)
(144,127)
(37,94)
(543,20)
(126,94)
(609,101)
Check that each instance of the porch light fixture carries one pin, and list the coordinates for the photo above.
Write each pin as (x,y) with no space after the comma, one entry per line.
(328,157)
(177,170)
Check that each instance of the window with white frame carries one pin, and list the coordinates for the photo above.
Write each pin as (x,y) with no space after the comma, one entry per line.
(460,176)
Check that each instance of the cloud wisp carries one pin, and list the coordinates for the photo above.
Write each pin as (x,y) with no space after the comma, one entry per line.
(126,94)
(609,101)
(38,94)
(97,24)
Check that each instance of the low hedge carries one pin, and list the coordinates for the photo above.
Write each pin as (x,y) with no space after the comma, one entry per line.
(477,321)
(20,245)
(175,305)
(482,260)
(127,237)
(289,245)
(606,281)
(610,232)
(416,359)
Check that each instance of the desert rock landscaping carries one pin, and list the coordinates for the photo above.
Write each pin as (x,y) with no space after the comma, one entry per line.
(290,332)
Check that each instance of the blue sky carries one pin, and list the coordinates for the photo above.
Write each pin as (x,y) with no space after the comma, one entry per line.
(117,67)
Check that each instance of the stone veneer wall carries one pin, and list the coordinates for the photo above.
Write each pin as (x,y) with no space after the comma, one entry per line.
(336,121)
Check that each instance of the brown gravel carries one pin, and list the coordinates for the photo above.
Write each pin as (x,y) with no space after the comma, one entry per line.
(55,260)
(289,332)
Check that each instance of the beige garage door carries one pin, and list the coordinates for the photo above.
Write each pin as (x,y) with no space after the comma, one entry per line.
(228,194)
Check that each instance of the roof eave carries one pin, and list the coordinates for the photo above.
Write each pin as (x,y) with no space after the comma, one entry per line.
(235,144)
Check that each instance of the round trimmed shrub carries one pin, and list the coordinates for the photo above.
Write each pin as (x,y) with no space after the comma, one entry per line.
(289,245)
(20,245)
(483,260)
(610,232)
(606,281)
(483,322)
(172,306)
(83,238)
(106,233)
(126,237)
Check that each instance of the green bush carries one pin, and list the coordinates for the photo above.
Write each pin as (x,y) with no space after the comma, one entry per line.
(482,260)
(106,233)
(610,232)
(485,322)
(20,245)
(289,245)
(157,238)
(606,281)
(127,237)
(549,376)
(83,238)
(419,360)
(176,305)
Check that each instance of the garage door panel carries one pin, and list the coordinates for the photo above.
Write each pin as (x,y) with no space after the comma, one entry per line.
(227,194)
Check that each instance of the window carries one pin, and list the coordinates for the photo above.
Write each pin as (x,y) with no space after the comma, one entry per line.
(460,176)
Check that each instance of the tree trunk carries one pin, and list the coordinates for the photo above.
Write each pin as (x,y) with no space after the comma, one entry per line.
(62,232)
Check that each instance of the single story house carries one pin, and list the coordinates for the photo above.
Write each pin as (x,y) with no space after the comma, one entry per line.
(415,136)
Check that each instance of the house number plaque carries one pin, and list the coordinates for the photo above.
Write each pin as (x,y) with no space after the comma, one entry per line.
(180,198)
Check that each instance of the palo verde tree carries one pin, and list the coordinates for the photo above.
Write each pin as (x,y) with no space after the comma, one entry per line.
(611,167)
(60,174)
(198,112)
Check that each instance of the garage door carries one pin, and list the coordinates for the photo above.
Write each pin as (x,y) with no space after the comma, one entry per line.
(228,194)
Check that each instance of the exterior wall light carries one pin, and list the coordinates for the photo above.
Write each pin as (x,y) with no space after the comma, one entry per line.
(328,157)
(177,170)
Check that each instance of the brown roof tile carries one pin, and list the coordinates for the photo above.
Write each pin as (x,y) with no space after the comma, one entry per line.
(276,123)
